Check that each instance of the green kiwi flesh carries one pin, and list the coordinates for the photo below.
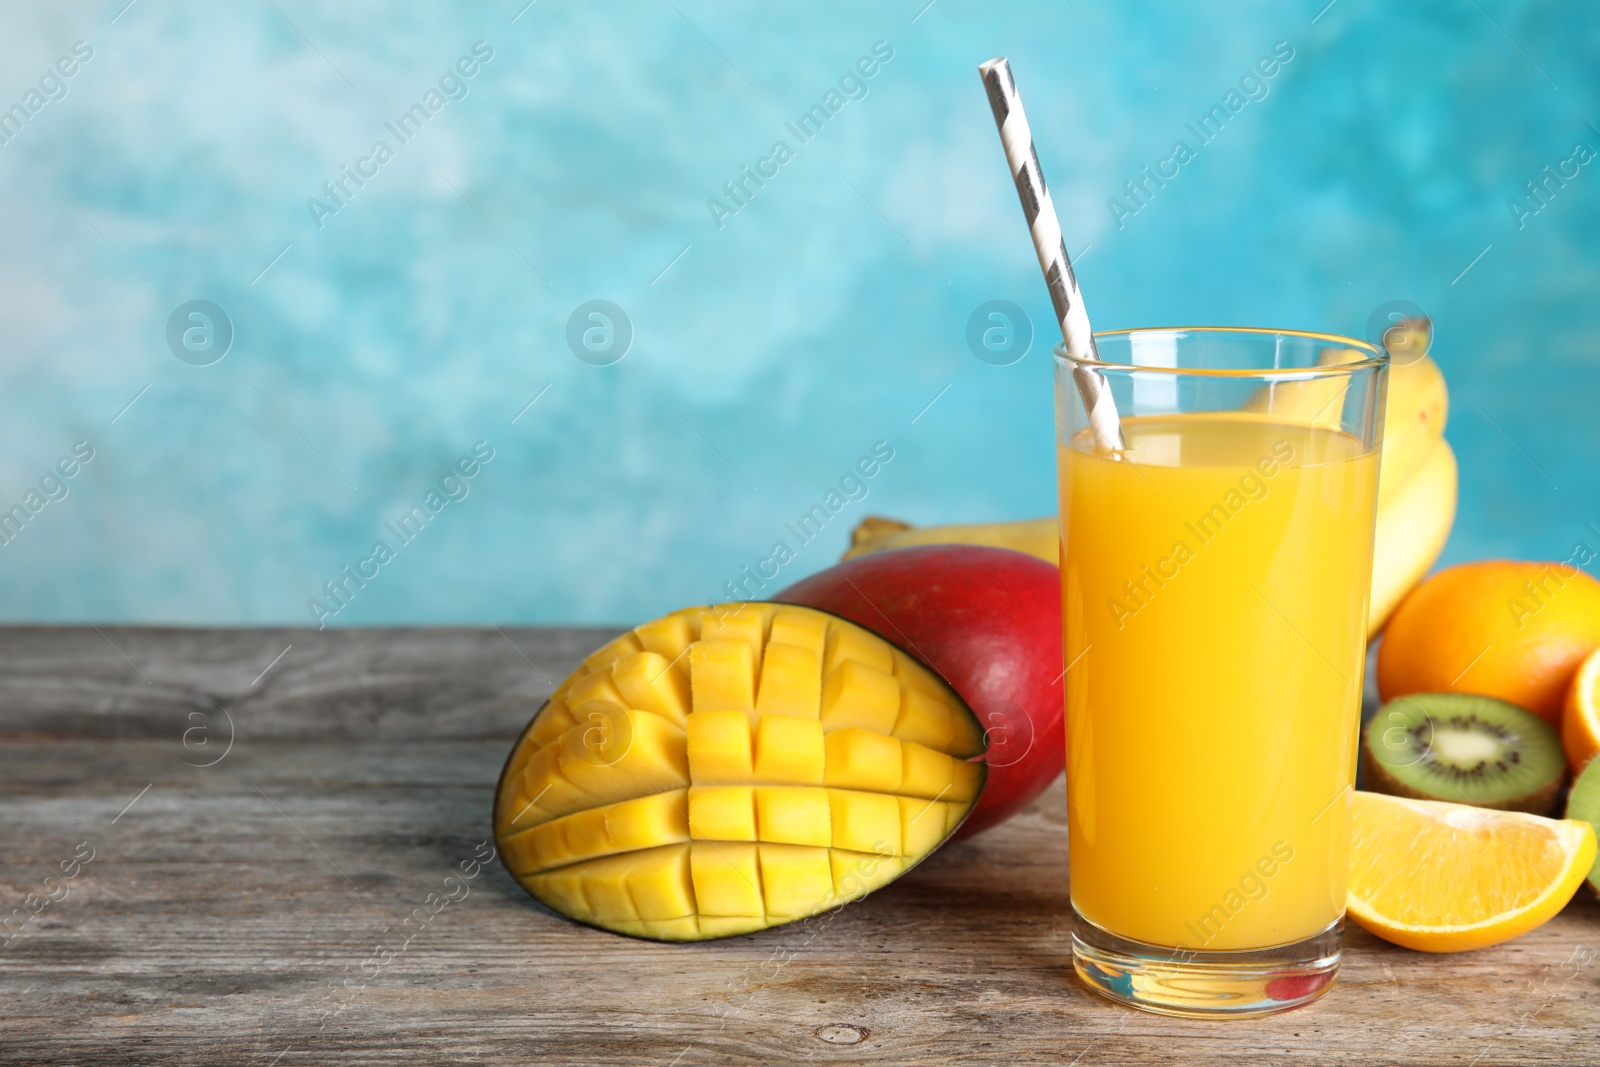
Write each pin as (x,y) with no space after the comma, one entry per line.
(1584,803)
(1465,749)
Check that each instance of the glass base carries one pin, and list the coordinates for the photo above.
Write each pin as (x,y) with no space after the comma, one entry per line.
(1206,985)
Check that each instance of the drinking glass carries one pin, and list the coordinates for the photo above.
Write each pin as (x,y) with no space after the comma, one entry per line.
(1214,585)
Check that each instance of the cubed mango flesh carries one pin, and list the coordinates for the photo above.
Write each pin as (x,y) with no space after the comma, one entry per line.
(727,882)
(859,645)
(855,694)
(719,747)
(861,759)
(596,685)
(791,682)
(793,815)
(651,682)
(668,636)
(788,749)
(722,675)
(726,769)
(738,622)
(722,813)
(802,628)
(794,878)
(625,645)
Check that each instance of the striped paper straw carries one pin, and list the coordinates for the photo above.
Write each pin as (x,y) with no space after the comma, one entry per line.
(1017,139)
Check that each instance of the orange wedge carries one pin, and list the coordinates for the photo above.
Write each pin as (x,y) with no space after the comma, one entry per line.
(1580,724)
(1449,877)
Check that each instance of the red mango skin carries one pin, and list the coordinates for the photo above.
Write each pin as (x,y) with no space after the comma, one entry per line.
(987,620)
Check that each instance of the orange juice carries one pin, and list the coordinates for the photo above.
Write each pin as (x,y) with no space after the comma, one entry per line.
(1214,595)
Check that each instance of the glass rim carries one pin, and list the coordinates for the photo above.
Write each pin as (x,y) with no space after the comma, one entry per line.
(1375,355)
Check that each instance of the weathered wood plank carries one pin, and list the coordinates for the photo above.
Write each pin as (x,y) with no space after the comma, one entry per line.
(242,911)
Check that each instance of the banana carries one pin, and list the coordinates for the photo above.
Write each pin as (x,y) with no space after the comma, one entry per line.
(1411,532)
(1414,415)
(1414,419)
(1036,537)
(1308,400)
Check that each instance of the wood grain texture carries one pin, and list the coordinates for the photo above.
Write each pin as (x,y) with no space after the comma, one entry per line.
(273,907)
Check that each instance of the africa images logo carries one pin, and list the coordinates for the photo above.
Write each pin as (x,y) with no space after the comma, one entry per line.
(452,85)
(853,85)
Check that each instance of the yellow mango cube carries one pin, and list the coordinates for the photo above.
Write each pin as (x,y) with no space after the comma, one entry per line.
(595,686)
(737,622)
(657,819)
(801,628)
(926,773)
(563,890)
(789,750)
(625,645)
(547,789)
(636,754)
(726,881)
(605,887)
(855,694)
(861,759)
(858,873)
(520,853)
(553,721)
(549,845)
(650,682)
(791,682)
(793,815)
(922,824)
(925,719)
(795,879)
(668,636)
(600,732)
(965,734)
(865,822)
(584,833)
(915,674)
(560,694)
(966,779)
(722,676)
(852,643)
(659,883)
(719,747)
(514,808)
(525,747)
(722,813)
(969,739)
(692,617)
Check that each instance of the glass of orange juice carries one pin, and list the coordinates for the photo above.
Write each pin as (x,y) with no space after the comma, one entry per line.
(1214,584)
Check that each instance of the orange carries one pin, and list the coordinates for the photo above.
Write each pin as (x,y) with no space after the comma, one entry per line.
(1449,877)
(1516,631)
(1580,721)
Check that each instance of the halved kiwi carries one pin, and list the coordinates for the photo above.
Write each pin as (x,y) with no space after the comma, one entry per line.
(1465,749)
(1584,803)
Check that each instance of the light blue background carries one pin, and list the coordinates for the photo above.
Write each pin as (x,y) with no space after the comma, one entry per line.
(823,317)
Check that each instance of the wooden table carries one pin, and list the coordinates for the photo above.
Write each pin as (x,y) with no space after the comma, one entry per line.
(248,843)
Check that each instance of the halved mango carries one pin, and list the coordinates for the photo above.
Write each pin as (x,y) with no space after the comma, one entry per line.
(726,769)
